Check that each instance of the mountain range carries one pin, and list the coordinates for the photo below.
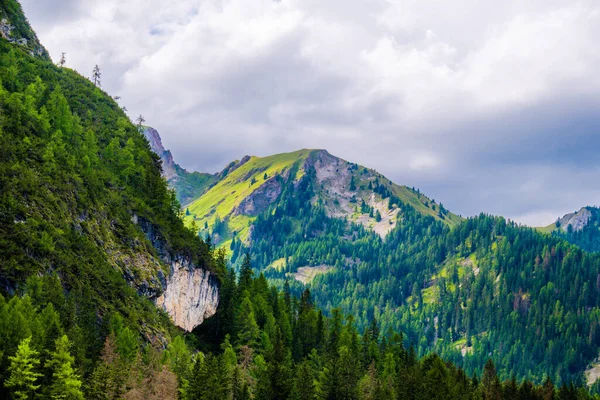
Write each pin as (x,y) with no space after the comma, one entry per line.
(383,251)
(297,275)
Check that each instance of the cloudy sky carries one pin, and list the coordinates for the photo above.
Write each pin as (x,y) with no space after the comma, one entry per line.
(487,106)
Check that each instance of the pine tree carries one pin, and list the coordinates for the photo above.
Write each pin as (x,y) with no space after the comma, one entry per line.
(96,75)
(108,379)
(140,121)
(246,327)
(246,274)
(303,385)
(490,384)
(239,387)
(127,344)
(66,384)
(280,368)
(22,370)
(179,359)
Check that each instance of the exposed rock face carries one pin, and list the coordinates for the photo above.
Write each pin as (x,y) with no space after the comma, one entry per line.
(261,198)
(25,38)
(169,170)
(334,178)
(190,293)
(188,185)
(577,220)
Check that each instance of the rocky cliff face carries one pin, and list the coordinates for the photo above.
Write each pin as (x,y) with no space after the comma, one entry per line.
(187,185)
(577,220)
(153,137)
(15,28)
(261,198)
(190,294)
(341,198)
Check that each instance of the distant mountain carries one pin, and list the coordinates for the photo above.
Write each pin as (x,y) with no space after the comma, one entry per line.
(345,190)
(468,289)
(581,228)
(188,185)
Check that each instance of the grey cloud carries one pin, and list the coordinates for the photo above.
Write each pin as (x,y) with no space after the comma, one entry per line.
(483,110)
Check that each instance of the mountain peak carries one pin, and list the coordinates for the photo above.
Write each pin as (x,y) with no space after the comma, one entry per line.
(344,190)
(187,185)
(576,220)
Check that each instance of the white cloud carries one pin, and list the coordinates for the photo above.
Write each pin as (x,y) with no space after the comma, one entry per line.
(399,85)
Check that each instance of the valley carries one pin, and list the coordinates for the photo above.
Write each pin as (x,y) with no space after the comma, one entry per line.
(298,275)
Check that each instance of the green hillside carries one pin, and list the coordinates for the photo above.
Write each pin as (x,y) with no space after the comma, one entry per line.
(85,220)
(78,182)
(219,203)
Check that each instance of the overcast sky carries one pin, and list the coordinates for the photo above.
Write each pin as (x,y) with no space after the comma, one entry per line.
(489,106)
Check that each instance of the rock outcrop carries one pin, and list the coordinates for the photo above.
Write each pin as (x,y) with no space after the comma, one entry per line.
(190,293)
(15,29)
(577,220)
(168,165)
(187,185)
(261,198)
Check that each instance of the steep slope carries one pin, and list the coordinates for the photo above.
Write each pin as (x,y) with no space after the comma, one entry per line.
(15,28)
(345,190)
(82,197)
(187,185)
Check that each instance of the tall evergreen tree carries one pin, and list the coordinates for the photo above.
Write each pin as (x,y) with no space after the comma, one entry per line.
(23,375)
(66,384)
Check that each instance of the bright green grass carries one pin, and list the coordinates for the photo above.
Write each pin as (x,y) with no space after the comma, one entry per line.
(418,202)
(546,229)
(222,199)
(278,264)
(431,295)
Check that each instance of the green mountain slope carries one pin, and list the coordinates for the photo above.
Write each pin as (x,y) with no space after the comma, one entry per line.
(345,190)
(90,234)
(83,209)
(468,289)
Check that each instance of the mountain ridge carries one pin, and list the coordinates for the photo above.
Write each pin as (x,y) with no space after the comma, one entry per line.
(187,185)
(310,220)
(224,198)
(94,253)
(581,228)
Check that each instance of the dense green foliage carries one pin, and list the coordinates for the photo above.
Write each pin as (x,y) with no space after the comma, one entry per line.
(78,181)
(484,288)
(75,177)
(262,344)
